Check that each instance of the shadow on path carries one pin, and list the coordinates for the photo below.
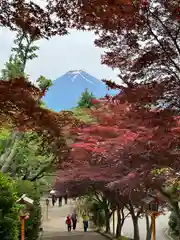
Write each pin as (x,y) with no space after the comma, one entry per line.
(75,236)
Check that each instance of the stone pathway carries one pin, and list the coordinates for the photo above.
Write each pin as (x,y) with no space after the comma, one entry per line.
(55,228)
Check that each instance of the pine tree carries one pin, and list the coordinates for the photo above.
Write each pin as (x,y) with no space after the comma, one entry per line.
(24,49)
(44,83)
(12,69)
(85,100)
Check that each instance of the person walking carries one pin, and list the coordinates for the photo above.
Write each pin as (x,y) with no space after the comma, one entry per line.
(53,199)
(85,222)
(68,222)
(74,220)
(60,201)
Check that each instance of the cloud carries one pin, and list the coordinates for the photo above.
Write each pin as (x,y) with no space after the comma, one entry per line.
(61,54)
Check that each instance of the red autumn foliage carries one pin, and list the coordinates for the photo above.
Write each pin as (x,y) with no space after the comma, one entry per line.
(145,139)
(129,135)
(147,56)
(33,18)
(78,178)
(124,163)
(19,104)
(112,15)
(106,14)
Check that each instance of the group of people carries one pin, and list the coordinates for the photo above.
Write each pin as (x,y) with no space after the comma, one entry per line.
(71,221)
(55,198)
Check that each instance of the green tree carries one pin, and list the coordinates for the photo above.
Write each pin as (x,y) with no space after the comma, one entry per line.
(24,156)
(9,222)
(12,69)
(100,208)
(33,224)
(173,224)
(25,48)
(44,83)
(31,159)
(85,99)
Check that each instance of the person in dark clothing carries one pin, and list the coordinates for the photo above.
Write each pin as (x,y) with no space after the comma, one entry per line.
(60,201)
(68,222)
(74,220)
(53,199)
(65,199)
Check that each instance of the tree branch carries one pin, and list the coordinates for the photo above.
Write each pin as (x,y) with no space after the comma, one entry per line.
(41,171)
(8,157)
(164,50)
(167,31)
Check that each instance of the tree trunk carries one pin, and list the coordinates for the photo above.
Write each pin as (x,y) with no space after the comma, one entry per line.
(8,156)
(136,228)
(119,224)
(114,231)
(107,216)
(40,172)
(8,145)
(135,219)
(148,228)
(9,159)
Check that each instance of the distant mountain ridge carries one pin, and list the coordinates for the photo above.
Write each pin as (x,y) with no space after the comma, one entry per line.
(67,89)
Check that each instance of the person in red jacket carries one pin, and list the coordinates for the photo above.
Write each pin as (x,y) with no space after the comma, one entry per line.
(68,222)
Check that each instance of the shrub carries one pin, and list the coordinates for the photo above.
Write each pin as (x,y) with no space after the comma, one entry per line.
(32,225)
(9,221)
(174,229)
(98,216)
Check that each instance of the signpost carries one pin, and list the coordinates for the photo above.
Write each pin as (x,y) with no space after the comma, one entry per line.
(47,208)
(152,206)
(24,214)
(23,217)
(153,209)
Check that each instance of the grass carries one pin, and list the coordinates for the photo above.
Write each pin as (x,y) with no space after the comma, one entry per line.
(82,114)
(123,238)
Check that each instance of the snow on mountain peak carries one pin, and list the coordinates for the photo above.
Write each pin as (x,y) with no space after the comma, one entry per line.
(74,72)
(80,75)
(66,90)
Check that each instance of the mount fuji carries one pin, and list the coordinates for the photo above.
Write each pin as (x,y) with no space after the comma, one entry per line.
(66,90)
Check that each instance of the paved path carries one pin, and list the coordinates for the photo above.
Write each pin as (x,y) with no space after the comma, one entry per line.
(55,227)
(75,236)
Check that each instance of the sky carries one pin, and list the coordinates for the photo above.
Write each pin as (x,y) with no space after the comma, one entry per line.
(61,54)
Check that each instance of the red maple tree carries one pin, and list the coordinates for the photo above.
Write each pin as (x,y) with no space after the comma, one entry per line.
(36,19)
(132,138)
(148,53)
(21,109)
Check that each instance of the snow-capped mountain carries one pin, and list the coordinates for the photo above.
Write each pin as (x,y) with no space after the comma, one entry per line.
(67,89)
